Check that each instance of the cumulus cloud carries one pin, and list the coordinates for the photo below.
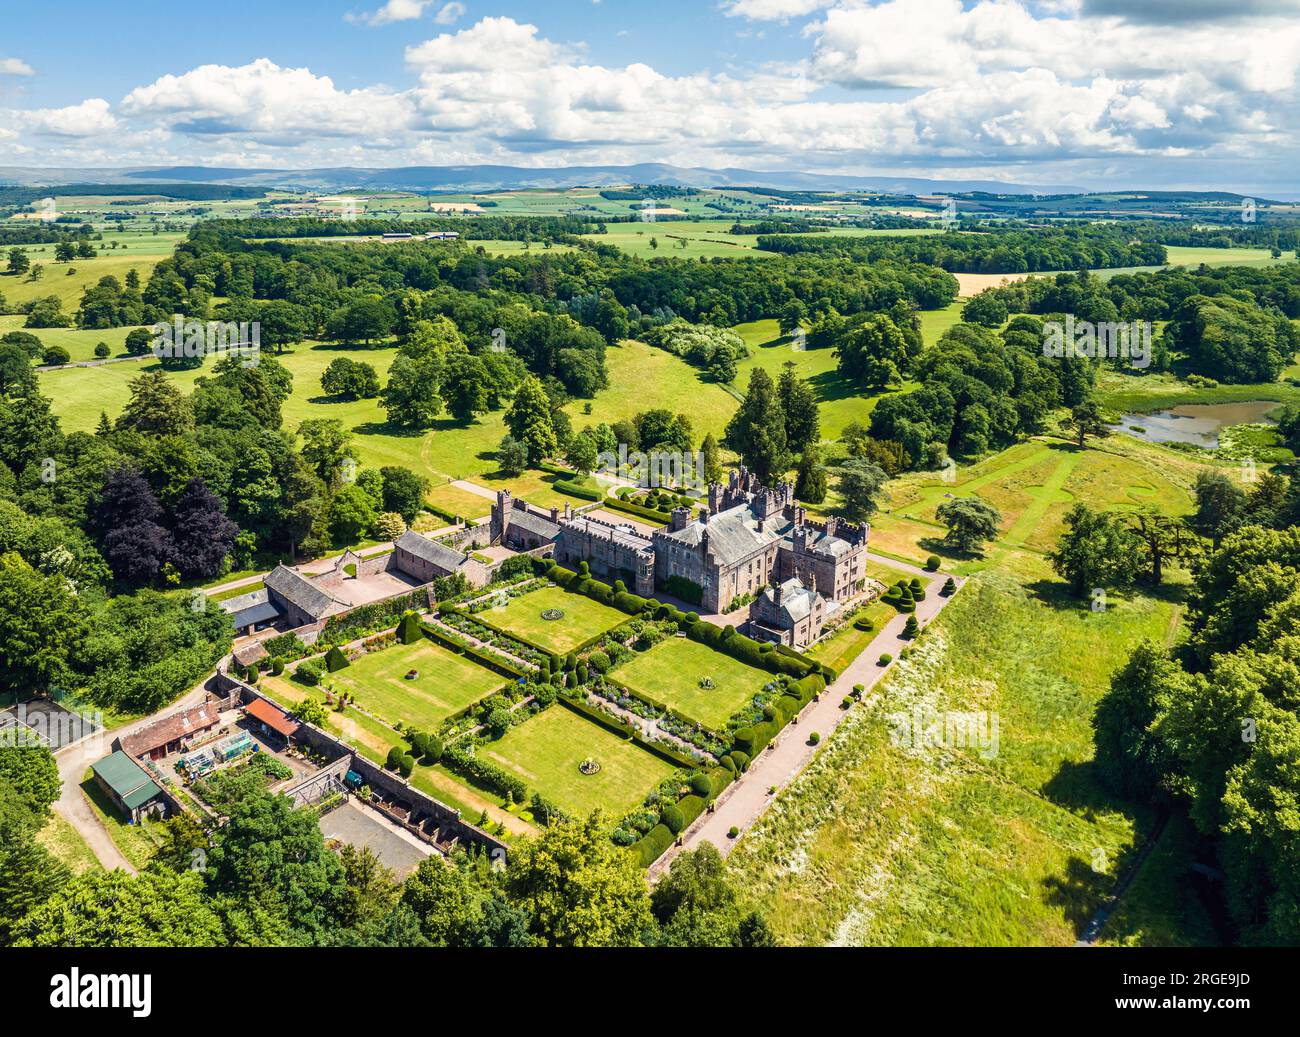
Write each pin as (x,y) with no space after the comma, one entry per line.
(392,11)
(87,119)
(887,85)
(15,67)
(269,103)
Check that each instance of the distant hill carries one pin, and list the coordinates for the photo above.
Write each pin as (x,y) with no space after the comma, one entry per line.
(504,178)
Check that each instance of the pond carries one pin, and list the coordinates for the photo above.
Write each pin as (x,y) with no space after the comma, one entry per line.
(1196,423)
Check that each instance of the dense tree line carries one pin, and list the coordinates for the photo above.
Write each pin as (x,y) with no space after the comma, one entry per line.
(979,390)
(1213,727)
(1012,250)
(267,878)
(1228,323)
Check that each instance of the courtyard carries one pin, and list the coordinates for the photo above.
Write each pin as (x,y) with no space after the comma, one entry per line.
(670,673)
(580,620)
(546,750)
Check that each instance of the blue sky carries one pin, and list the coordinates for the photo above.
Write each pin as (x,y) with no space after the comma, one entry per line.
(1185,93)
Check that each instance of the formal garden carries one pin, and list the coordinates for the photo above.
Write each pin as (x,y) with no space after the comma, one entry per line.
(549,752)
(692,679)
(553,697)
(552,619)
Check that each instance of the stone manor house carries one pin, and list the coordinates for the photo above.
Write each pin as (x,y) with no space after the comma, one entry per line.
(749,542)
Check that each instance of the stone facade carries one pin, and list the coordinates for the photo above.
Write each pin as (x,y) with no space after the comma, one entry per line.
(613,552)
(520,527)
(788,613)
(751,536)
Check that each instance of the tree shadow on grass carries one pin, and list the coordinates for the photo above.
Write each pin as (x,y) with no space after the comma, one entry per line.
(388,428)
(1080,891)
(940,547)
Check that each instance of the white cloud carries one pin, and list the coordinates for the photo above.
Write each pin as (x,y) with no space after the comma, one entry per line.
(450,13)
(270,103)
(393,11)
(773,10)
(15,67)
(894,85)
(87,119)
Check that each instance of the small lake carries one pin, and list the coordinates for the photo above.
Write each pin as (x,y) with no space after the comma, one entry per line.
(1196,423)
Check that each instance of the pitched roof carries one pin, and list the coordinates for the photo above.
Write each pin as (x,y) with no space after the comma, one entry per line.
(302,592)
(276,719)
(796,601)
(126,778)
(536,524)
(251,608)
(169,729)
(431,551)
(733,534)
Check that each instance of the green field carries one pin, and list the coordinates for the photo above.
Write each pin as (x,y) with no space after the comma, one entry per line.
(66,843)
(522,617)
(545,752)
(642,377)
(880,842)
(670,673)
(447,684)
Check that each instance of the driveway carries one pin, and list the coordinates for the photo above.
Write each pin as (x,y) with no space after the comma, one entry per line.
(73,761)
(744,802)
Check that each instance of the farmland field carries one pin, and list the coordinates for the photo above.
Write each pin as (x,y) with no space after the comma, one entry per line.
(545,752)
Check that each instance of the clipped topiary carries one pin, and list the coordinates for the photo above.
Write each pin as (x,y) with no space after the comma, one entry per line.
(408,630)
(932,563)
(335,660)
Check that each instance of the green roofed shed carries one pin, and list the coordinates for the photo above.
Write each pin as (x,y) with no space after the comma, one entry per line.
(127,784)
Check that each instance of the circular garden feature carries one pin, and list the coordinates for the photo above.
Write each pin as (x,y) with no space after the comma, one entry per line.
(551,615)
(589,766)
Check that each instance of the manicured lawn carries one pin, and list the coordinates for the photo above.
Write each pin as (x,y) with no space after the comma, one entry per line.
(671,671)
(583,619)
(447,683)
(546,751)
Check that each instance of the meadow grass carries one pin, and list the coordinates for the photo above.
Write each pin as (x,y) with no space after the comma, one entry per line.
(671,671)
(883,841)
(66,843)
(545,752)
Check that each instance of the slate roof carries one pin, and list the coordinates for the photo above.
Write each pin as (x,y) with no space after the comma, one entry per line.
(796,601)
(126,778)
(624,535)
(733,534)
(824,543)
(444,557)
(302,592)
(251,608)
(536,524)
